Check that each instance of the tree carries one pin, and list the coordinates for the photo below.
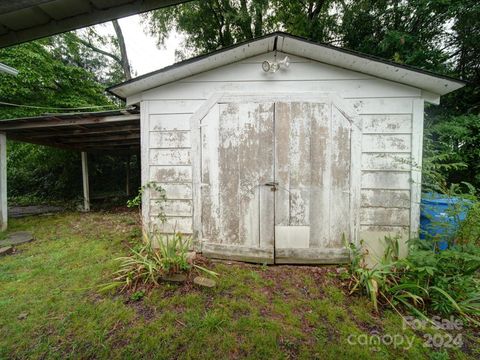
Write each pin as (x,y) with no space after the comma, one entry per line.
(212,24)
(64,71)
(104,55)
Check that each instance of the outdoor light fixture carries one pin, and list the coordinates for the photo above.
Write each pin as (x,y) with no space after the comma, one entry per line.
(273,66)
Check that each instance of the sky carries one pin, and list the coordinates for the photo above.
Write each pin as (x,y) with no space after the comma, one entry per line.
(143,53)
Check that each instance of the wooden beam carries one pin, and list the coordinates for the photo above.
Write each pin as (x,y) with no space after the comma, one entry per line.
(110,144)
(80,140)
(3,183)
(86,190)
(97,130)
(11,125)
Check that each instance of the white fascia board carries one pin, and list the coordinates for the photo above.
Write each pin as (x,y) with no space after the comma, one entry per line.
(433,85)
(174,73)
(327,55)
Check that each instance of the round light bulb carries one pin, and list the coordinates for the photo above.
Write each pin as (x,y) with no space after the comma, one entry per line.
(266,66)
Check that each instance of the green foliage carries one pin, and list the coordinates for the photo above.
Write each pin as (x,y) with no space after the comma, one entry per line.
(46,79)
(160,198)
(137,295)
(457,140)
(210,24)
(469,232)
(426,281)
(56,73)
(159,256)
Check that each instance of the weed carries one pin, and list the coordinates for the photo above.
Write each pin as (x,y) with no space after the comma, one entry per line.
(137,295)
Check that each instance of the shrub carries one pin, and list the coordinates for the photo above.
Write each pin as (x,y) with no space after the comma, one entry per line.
(469,232)
(444,282)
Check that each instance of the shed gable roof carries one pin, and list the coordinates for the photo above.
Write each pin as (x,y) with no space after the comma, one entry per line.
(286,43)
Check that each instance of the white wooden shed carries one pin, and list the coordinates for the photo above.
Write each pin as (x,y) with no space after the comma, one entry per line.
(284,166)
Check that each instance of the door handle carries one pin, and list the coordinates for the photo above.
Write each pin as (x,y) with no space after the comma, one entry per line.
(272,184)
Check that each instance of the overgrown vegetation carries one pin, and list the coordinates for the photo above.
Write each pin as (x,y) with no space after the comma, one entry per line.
(430,280)
(426,282)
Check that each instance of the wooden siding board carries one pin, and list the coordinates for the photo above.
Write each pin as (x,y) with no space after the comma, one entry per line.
(385,216)
(385,198)
(387,123)
(174,106)
(170,139)
(381,105)
(386,161)
(170,174)
(173,224)
(171,207)
(170,122)
(386,180)
(170,157)
(175,191)
(387,143)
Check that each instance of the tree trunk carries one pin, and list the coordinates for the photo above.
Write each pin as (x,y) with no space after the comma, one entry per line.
(123,50)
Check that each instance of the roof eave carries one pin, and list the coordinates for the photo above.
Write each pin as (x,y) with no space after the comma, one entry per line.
(348,59)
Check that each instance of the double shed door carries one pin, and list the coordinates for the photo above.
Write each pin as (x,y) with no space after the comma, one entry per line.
(275,182)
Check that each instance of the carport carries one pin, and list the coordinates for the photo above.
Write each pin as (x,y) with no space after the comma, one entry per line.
(116,132)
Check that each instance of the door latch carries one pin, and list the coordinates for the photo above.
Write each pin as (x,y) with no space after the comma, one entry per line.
(272,184)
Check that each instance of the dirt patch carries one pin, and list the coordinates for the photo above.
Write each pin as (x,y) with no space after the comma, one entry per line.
(143,311)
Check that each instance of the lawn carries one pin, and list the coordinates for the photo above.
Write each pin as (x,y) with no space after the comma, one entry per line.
(51,308)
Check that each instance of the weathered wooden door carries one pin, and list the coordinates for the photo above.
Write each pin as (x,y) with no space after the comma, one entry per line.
(237,160)
(312,169)
(275,182)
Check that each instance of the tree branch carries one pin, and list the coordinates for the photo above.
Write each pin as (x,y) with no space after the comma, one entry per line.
(100,51)
(123,50)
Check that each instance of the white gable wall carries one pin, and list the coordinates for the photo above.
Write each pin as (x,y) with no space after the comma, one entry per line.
(392,116)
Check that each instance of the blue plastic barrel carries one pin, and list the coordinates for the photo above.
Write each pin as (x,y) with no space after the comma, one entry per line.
(441,216)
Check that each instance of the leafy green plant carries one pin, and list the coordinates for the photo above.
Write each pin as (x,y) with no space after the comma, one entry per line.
(161,198)
(147,264)
(137,295)
(427,280)
(469,231)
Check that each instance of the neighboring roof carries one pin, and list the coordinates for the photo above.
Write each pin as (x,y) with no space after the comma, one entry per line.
(286,43)
(26,20)
(115,131)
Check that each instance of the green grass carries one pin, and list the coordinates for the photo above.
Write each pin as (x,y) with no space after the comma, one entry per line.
(255,312)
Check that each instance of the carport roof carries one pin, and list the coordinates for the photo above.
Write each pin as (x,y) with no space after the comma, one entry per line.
(115,131)
(26,20)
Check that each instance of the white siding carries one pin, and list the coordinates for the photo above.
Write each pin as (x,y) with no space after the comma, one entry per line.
(386,110)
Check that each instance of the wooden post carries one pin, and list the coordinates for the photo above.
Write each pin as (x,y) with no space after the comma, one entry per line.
(127,180)
(86,190)
(3,182)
